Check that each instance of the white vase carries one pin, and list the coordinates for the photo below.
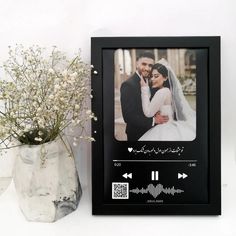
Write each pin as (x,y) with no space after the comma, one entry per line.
(6,165)
(46,181)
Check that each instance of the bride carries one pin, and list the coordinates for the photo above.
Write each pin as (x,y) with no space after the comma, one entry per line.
(170,102)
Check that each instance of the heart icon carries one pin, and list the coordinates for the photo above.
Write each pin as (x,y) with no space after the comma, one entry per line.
(130,149)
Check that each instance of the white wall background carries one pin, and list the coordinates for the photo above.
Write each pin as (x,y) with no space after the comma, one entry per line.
(69,24)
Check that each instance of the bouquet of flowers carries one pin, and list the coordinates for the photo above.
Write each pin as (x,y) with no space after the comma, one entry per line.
(43,94)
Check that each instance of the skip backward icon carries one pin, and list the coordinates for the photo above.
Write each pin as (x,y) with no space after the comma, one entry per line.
(126,175)
(183,176)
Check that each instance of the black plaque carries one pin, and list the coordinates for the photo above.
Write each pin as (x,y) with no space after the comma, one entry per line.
(140,166)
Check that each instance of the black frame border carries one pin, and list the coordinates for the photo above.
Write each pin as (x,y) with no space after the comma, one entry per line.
(98,44)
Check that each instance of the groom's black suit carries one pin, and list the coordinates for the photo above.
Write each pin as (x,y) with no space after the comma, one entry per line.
(131,104)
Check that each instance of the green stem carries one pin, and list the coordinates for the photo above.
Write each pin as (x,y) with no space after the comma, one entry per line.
(69,151)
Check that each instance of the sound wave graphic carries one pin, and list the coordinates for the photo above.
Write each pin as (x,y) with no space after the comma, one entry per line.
(156,191)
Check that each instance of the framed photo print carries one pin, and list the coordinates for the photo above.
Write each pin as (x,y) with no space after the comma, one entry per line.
(157,148)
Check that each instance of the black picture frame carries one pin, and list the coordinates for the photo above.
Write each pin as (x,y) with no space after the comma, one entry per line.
(208,105)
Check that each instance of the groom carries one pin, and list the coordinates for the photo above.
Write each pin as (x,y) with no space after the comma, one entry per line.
(131,104)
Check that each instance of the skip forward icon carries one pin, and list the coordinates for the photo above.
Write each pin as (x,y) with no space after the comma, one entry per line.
(183,176)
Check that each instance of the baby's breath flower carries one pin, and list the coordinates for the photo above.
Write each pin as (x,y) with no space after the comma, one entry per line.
(77,106)
(51,71)
(40,133)
(88,112)
(65,73)
(74,74)
(43,97)
(57,87)
(64,85)
(38,139)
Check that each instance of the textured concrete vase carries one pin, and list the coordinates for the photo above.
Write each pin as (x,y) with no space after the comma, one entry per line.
(46,181)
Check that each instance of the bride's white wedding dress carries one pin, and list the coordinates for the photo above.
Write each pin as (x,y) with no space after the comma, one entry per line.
(173,130)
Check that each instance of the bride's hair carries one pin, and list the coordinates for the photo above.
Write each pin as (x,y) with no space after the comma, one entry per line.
(163,71)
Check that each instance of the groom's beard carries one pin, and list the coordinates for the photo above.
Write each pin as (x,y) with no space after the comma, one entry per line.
(147,79)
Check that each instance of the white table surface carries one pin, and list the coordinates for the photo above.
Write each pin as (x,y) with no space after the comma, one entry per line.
(81,222)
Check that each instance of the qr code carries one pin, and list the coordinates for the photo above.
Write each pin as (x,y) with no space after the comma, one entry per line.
(120,190)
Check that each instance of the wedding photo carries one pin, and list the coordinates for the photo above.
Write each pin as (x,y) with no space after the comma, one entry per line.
(155,94)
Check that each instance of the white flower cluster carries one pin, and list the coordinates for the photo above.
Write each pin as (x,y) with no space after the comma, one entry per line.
(43,95)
